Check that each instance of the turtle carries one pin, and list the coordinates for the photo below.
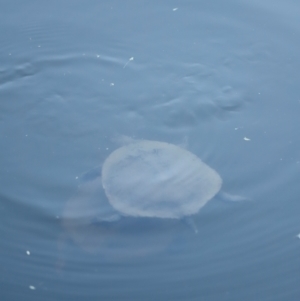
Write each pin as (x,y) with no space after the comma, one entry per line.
(143,185)
(155,179)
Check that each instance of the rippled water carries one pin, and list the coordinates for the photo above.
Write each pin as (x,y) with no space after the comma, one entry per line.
(220,79)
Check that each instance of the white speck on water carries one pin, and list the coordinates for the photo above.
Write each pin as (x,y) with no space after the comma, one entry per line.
(98,55)
(246,139)
(32,287)
(175,8)
(76,178)
(28,252)
(131,59)
(298,235)
(107,148)
(112,84)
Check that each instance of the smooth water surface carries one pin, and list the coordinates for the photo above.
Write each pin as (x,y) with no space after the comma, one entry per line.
(218,78)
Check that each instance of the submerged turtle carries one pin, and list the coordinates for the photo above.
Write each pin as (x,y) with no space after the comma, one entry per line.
(154,182)
(157,179)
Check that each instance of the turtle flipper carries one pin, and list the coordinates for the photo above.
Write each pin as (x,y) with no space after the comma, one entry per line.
(232,197)
(191,223)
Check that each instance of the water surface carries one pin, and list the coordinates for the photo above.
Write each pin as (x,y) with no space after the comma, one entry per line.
(219,78)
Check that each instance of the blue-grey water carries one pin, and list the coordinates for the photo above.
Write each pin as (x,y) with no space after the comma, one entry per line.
(220,78)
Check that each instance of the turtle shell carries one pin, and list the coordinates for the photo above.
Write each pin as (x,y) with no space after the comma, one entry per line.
(157,179)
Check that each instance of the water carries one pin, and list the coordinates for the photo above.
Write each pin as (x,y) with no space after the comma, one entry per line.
(219,78)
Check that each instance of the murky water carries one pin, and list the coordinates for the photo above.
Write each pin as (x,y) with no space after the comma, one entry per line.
(220,79)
